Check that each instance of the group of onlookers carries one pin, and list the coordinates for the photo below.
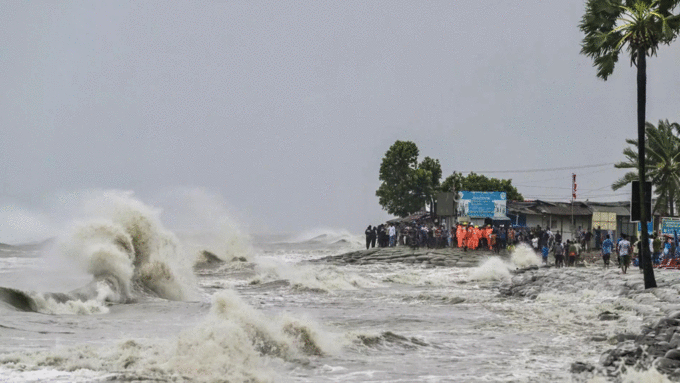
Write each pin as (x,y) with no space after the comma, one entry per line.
(465,236)
(384,235)
(664,249)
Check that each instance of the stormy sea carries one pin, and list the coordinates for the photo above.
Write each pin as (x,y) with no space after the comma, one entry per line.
(117,296)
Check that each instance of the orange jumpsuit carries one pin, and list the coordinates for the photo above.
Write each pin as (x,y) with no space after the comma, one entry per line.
(469,237)
(460,235)
(489,233)
(473,238)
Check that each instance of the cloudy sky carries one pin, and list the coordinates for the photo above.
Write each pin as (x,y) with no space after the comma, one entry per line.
(283,110)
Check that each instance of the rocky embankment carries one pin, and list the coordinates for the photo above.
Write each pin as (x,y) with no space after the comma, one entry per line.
(657,344)
(446,257)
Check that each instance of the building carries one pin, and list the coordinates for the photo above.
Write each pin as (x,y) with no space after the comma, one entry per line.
(559,215)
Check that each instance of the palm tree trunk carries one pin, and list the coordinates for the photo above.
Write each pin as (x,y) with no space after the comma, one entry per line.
(645,256)
(671,210)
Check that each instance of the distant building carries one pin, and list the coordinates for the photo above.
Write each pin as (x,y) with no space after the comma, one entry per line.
(558,215)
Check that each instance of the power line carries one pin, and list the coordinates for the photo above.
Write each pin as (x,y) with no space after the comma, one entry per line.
(580,196)
(538,170)
(569,179)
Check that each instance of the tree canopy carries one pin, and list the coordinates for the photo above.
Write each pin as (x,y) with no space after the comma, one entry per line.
(639,26)
(479,182)
(662,164)
(407,186)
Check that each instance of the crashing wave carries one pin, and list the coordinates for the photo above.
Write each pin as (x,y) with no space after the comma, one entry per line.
(128,252)
(234,343)
(496,269)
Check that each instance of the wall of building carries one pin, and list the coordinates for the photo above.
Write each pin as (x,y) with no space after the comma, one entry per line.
(560,223)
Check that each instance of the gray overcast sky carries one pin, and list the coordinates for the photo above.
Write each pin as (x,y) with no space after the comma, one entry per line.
(284,109)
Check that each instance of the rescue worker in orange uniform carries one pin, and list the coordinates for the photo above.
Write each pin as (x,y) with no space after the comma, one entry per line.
(460,235)
(473,240)
(490,237)
(469,237)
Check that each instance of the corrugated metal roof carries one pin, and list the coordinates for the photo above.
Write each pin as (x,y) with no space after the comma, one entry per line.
(551,208)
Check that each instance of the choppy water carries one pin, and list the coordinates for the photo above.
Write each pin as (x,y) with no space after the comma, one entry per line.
(277,317)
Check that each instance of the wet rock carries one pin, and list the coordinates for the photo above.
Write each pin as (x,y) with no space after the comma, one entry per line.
(666,364)
(607,315)
(673,354)
(580,367)
(675,340)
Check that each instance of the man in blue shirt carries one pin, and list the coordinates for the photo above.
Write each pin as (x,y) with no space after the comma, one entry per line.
(607,246)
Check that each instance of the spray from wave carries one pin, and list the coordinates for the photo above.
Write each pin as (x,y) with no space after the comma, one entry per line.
(496,269)
(204,224)
(124,240)
(524,256)
(327,237)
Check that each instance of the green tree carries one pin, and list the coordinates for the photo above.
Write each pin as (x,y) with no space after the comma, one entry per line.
(406,185)
(640,26)
(479,182)
(430,174)
(662,164)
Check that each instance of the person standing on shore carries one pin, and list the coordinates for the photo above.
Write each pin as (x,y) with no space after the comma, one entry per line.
(607,246)
(470,238)
(393,235)
(618,254)
(374,236)
(460,235)
(573,251)
(624,253)
(656,249)
(368,236)
(558,250)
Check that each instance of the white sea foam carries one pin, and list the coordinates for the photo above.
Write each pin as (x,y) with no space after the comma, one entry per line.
(634,376)
(314,277)
(495,269)
(492,269)
(234,343)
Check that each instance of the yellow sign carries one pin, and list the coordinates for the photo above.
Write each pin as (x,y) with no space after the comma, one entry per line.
(606,221)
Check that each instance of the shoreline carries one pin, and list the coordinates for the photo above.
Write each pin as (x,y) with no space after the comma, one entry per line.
(444,257)
(657,341)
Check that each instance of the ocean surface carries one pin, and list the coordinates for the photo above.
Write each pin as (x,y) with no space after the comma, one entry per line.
(118,297)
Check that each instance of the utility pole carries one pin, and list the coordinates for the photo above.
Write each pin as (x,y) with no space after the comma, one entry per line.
(455,198)
(573,196)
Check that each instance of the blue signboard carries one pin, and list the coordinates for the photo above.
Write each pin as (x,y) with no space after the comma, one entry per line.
(670,225)
(650,227)
(482,204)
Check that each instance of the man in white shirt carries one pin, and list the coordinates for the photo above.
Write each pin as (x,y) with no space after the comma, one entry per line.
(393,235)
(624,252)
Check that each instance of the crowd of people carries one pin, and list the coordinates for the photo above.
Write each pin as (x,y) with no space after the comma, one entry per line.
(664,249)
(465,236)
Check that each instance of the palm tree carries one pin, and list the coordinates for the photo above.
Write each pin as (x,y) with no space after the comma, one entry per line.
(662,164)
(640,26)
